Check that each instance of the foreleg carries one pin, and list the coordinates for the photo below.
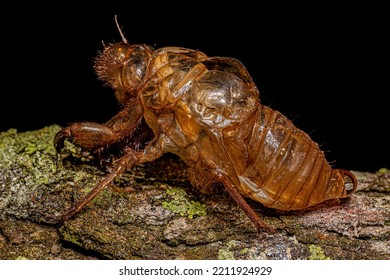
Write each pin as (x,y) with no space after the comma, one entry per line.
(93,136)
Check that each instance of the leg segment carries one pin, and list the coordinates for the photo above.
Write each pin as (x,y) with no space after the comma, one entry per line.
(259,224)
(94,136)
(127,161)
(124,163)
(203,179)
(88,135)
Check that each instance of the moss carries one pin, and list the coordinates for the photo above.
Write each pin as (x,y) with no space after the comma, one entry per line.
(180,204)
(316,253)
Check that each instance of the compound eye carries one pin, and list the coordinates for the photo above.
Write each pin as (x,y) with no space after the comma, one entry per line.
(121,51)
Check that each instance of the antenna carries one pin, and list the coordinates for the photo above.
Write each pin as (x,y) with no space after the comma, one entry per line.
(120,31)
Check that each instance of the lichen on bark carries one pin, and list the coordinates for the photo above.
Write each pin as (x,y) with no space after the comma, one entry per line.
(152,212)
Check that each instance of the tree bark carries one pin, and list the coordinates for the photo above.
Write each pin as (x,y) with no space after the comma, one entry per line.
(152,212)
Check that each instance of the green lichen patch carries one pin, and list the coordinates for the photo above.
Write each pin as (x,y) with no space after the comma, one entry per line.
(316,253)
(180,204)
(31,151)
(227,253)
(240,250)
(32,183)
(13,143)
(382,184)
(382,171)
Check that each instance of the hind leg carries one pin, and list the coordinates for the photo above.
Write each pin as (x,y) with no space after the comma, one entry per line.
(203,178)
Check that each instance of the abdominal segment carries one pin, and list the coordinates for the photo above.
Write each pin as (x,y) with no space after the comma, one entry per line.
(286,170)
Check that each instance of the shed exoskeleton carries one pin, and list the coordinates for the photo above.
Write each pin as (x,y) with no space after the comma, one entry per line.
(207,111)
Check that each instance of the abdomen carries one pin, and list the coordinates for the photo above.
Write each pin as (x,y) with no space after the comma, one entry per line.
(287,170)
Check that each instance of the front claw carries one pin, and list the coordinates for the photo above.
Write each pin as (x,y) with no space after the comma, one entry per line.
(61,136)
(89,136)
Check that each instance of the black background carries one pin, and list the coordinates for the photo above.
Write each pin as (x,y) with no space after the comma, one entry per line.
(322,66)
